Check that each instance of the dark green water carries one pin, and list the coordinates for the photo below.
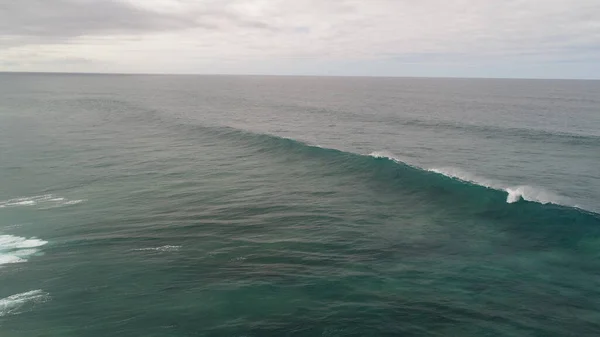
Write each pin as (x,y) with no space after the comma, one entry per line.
(197,206)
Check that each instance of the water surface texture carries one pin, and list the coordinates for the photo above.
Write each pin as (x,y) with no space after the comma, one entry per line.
(298,206)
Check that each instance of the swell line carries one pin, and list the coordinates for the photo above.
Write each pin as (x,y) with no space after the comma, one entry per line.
(446,178)
(540,135)
(405,173)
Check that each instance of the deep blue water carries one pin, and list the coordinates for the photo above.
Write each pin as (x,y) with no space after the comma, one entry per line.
(298,206)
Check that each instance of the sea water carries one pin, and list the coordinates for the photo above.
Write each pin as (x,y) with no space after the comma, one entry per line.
(298,206)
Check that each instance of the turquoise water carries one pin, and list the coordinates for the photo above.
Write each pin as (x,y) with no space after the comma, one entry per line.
(282,206)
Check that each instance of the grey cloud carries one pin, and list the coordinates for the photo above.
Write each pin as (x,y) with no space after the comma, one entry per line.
(64,19)
(400,31)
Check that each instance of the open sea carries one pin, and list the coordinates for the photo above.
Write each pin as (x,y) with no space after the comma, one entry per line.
(249,206)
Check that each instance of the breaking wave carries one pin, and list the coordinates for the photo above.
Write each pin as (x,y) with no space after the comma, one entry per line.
(16,249)
(23,302)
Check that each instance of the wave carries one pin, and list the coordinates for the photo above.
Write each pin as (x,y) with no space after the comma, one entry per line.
(42,201)
(16,249)
(475,195)
(529,134)
(22,302)
(509,194)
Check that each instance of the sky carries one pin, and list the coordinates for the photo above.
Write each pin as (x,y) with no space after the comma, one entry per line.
(429,38)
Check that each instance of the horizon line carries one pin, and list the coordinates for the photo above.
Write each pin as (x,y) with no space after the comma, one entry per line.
(293,75)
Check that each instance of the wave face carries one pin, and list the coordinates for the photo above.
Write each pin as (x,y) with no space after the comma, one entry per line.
(514,194)
(410,174)
(547,215)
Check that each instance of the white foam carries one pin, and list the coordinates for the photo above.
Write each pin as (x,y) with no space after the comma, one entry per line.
(166,248)
(515,193)
(8,259)
(531,194)
(16,249)
(17,242)
(23,203)
(464,176)
(43,201)
(19,303)
(392,157)
(383,154)
(74,202)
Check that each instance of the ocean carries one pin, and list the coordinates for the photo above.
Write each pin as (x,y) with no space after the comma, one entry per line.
(141,205)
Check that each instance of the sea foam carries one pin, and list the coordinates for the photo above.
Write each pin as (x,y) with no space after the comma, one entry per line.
(532,194)
(42,201)
(166,248)
(16,249)
(514,193)
(22,302)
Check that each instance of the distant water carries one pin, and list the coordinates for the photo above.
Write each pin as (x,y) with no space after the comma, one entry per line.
(283,206)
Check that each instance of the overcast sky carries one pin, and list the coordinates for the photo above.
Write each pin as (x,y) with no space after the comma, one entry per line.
(460,38)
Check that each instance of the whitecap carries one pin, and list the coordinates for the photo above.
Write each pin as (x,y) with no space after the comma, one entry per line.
(531,194)
(16,249)
(392,157)
(459,174)
(74,202)
(383,154)
(166,248)
(17,242)
(514,193)
(42,201)
(8,259)
(22,302)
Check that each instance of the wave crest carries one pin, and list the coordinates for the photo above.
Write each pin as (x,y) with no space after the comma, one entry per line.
(514,193)
(530,193)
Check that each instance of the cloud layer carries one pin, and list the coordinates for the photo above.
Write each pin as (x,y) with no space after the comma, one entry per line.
(375,37)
